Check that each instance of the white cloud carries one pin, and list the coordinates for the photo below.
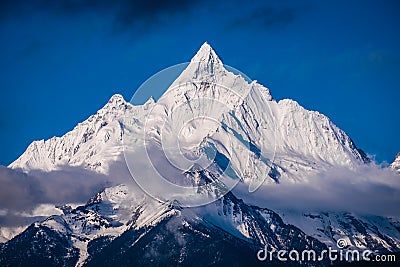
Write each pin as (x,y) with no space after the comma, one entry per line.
(368,189)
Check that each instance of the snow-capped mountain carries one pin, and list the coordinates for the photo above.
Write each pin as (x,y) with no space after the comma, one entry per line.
(251,124)
(222,119)
(396,163)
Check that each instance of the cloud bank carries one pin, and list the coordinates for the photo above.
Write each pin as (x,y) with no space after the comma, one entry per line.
(367,189)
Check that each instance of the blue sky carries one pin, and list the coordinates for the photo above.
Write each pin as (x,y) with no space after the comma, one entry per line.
(62,60)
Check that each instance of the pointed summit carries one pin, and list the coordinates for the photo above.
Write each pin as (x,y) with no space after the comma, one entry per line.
(206,54)
(205,63)
(206,67)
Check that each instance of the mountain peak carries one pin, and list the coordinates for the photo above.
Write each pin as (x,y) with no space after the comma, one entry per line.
(203,66)
(116,101)
(206,54)
(116,98)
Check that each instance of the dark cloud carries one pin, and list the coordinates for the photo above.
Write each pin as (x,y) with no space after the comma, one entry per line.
(267,17)
(125,13)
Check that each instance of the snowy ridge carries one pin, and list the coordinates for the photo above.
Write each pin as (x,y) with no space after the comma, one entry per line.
(109,213)
(91,144)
